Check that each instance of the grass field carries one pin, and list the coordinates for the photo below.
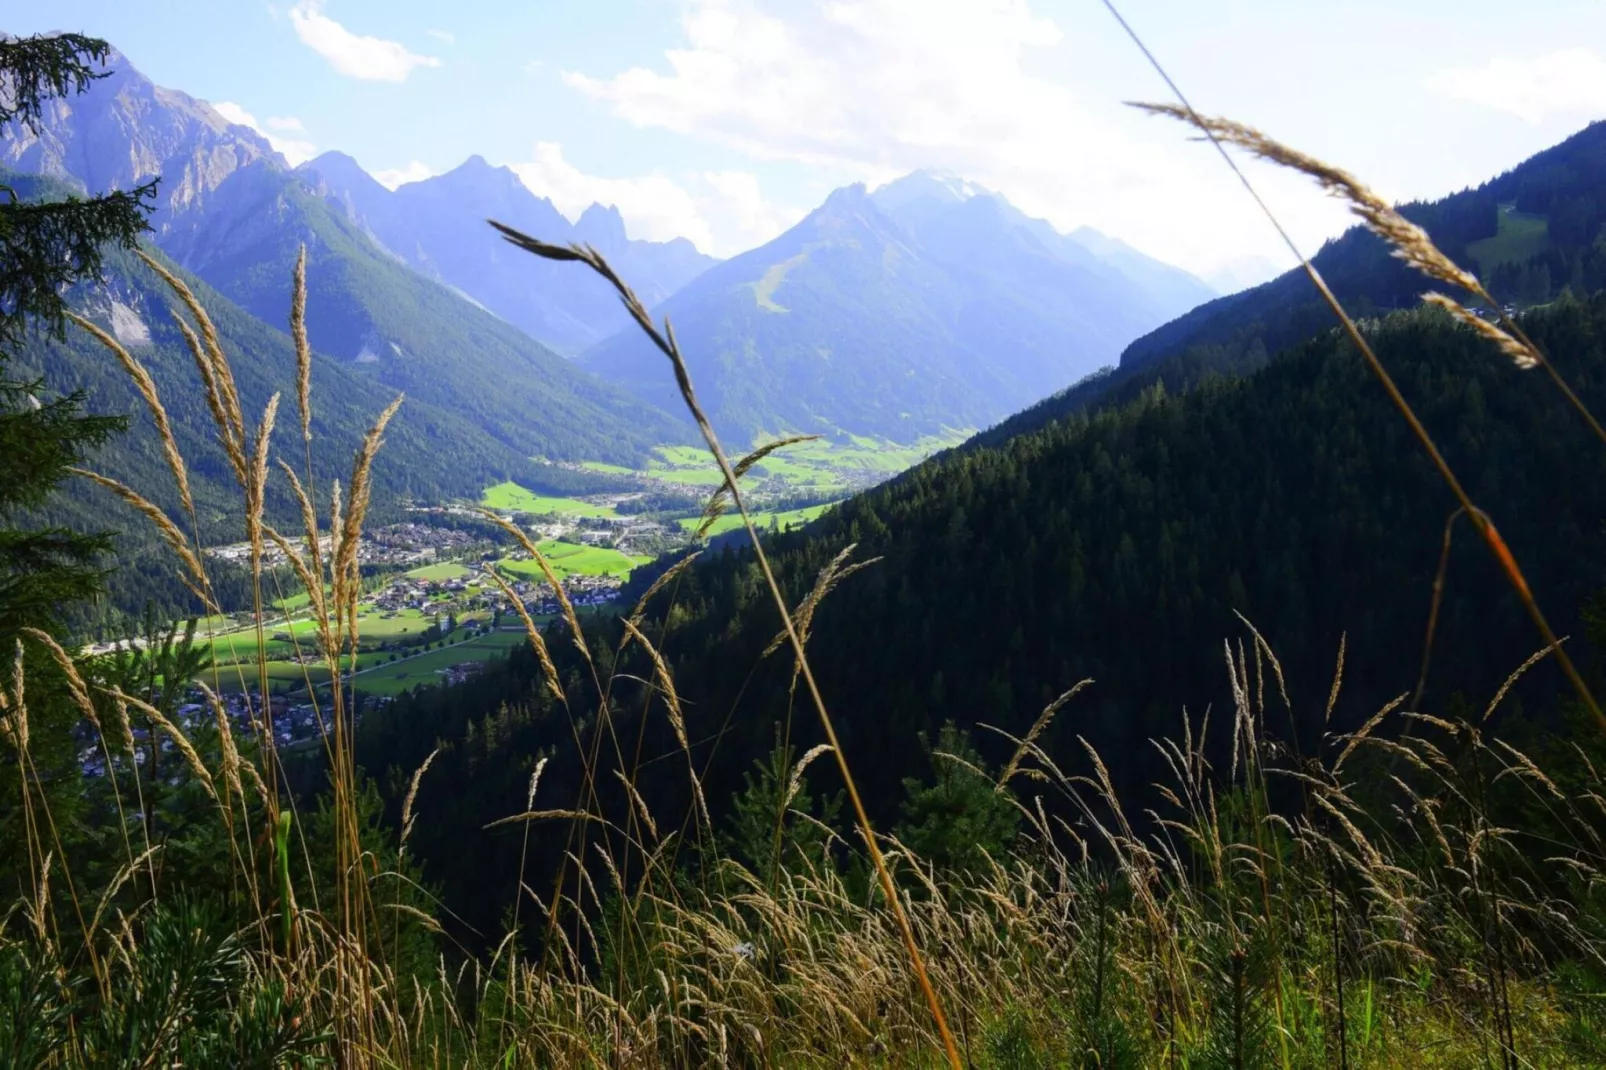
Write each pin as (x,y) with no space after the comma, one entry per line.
(240,647)
(446,570)
(788,519)
(391,678)
(511,497)
(1521,235)
(684,464)
(567,558)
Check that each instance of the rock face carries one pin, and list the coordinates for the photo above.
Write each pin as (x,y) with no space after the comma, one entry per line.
(127,130)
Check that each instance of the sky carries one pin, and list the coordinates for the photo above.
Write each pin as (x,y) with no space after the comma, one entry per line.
(726,121)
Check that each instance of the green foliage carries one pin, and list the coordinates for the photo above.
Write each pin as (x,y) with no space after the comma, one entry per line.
(45,567)
(46,247)
(772,827)
(957,821)
(182,994)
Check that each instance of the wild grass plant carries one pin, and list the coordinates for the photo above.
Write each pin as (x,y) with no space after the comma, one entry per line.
(1419,892)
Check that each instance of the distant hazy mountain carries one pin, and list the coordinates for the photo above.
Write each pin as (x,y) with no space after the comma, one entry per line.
(438,227)
(235,215)
(928,304)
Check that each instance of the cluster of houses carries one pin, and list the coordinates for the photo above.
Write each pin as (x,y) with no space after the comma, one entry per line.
(406,544)
(293,723)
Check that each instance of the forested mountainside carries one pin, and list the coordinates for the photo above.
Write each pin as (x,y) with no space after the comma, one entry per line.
(232,213)
(927,306)
(392,325)
(1528,234)
(437,226)
(1119,547)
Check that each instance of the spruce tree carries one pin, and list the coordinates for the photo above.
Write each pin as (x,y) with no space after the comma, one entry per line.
(46,249)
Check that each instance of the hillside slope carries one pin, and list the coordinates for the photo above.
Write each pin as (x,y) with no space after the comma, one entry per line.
(1529,233)
(1118,548)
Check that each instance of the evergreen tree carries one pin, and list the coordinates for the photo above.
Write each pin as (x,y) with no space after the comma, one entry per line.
(46,247)
(958,821)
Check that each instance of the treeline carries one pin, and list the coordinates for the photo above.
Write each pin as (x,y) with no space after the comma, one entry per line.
(1119,547)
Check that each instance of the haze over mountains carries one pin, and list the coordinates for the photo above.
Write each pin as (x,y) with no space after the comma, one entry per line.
(927,306)
(930,304)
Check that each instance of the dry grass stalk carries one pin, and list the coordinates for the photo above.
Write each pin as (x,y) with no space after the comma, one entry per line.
(224,375)
(1516,674)
(225,735)
(147,390)
(1037,729)
(833,573)
(643,813)
(794,783)
(75,682)
(412,795)
(196,580)
(1521,355)
(1410,242)
(233,446)
(298,335)
(668,576)
(677,719)
(665,342)
(357,497)
(549,670)
(14,725)
(551,578)
(180,740)
(716,503)
(545,815)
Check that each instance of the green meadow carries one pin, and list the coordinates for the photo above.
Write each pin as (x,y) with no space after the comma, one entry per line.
(567,558)
(510,497)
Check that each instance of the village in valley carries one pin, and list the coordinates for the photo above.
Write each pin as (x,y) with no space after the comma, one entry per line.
(430,614)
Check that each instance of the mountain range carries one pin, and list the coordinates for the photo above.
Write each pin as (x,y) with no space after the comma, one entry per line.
(232,213)
(437,226)
(928,305)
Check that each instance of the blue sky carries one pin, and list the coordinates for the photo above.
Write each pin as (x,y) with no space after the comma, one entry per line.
(726,120)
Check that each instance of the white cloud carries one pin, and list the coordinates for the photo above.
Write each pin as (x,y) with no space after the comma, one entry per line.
(371,59)
(400,176)
(869,89)
(739,215)
(721,212)
(294,150)
(443,35)
(1570,83)
(286,124)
